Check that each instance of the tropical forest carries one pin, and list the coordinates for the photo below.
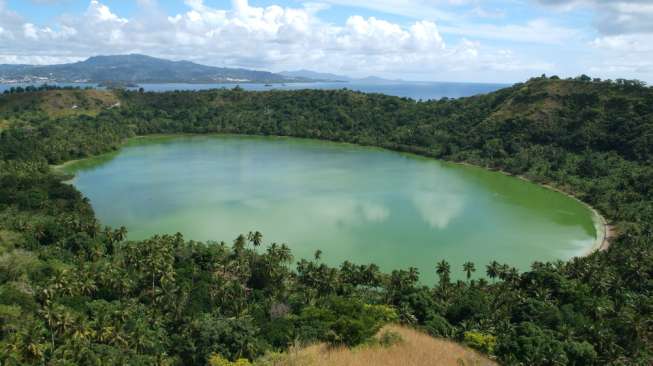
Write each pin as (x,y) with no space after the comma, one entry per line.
(74,291)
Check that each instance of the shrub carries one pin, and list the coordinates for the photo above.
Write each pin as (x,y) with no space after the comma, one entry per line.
(529,344)
(580,353)
(340,321)
(228,337)
(472,305)
(438,326)
(480,341)
(217,360)
(390,338)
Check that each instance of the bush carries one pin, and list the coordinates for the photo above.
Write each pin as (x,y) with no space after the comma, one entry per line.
(279,332)
(211,334)
(217,360)
(529,344)
(390,338)
(472,305)
(580,353)
(480,341)
(438,326)
(340,321)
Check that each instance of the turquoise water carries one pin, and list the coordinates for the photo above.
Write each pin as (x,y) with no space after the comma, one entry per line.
(359,204)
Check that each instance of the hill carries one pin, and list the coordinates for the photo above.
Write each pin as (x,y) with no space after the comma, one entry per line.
(136,68)
(319,76)
(72,290)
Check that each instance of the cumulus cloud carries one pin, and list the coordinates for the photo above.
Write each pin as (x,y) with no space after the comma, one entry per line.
(625,35)
(534,31)
(279,38)
(613,16)
(625,54)
(246,36)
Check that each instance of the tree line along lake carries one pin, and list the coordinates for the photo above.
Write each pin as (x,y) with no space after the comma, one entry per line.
(406,89)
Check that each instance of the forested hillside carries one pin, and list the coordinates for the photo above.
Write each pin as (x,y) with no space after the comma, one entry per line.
(136,68)
(75,292)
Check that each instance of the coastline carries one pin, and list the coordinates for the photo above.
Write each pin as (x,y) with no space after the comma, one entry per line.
(604,231)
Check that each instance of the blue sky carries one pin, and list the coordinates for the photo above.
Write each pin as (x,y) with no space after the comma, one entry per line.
(448,40)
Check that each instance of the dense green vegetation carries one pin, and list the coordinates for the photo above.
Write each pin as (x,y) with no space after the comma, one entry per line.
(74,292)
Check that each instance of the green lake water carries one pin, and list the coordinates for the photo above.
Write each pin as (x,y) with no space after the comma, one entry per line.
(360,204)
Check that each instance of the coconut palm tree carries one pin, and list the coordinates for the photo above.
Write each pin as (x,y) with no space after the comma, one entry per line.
(443,269)
(492,270)
(256,238)
(239,244)
(468,268)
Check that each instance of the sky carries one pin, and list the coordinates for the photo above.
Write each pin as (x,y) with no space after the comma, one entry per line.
(426,40)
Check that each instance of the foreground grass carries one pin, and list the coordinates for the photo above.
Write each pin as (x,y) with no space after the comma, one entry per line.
(415,349)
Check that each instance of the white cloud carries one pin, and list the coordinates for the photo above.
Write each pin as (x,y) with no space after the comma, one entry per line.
(259,37)
(416,9)
(613,16)
(624,56)
(102,13)
(29,30)
(534,31)
(279,38)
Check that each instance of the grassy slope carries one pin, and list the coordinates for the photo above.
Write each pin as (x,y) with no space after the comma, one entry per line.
(416,349)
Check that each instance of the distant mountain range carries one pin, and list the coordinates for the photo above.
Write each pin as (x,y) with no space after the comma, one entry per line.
(129,70)
(319,76)
(137,69)
(307,74)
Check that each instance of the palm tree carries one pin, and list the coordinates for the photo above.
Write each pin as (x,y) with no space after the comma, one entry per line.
(493,270)
(318,255)
(503,271)
(413,274)
(468,268)
(239,244)
(256,238)
(120,234)
(443,269)
(512,275)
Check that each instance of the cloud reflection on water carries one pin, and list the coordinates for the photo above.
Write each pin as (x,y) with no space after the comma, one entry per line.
(438,208)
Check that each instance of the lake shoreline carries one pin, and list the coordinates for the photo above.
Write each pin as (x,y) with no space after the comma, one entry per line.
(605,231)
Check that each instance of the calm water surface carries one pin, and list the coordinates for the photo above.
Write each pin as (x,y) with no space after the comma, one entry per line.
(358,204)
(414,90)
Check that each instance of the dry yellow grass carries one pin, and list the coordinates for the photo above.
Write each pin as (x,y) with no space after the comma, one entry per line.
(417,349)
